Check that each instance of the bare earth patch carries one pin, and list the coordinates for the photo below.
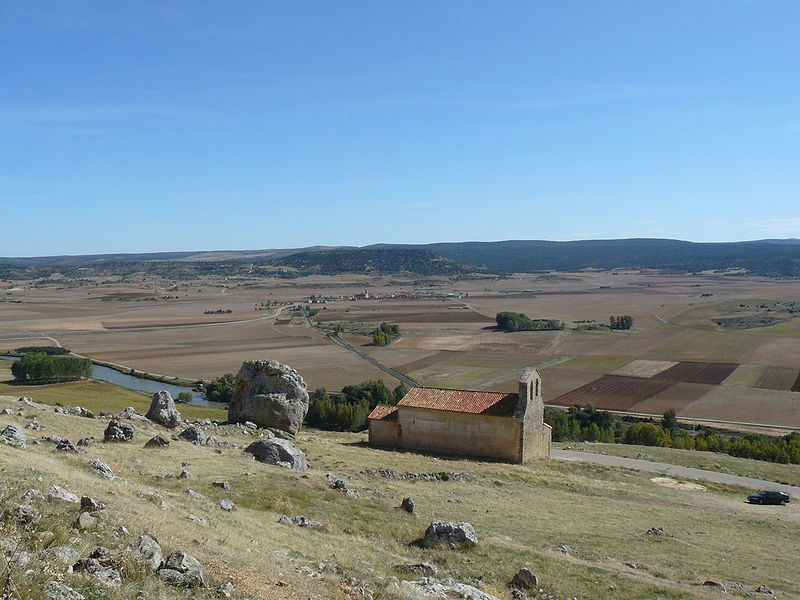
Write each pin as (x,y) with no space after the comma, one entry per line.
(678,485)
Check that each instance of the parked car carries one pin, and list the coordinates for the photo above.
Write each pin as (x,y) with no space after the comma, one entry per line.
(768,497)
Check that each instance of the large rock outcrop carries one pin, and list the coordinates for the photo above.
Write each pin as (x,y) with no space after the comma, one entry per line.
(269,394)
(282,453)
(163,411)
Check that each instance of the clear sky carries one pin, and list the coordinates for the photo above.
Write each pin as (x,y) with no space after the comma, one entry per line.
(190,125)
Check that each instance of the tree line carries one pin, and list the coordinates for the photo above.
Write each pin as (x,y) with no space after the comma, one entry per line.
(348,410)
(512,321)
(589,424)
(49,350)
(43,368)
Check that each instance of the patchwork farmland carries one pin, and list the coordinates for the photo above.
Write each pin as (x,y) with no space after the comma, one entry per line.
(677,355)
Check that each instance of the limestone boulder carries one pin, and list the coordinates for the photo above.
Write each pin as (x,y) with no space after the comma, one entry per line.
(119,431)
(162,410)
(181,569)
(282,453)
(269,394)
(14,436)
(455,535)
(145,551)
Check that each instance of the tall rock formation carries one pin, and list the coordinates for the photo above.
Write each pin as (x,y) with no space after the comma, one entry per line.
(269,394)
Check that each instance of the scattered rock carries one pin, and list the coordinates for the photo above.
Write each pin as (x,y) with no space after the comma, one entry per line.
(195,435)
(184,474)
(79,411)
(146,551)
(225,590)
(715,584)
(34,425)
(66,446)
(32,495)
(157,442)
(162,410)
(565,549)
(455,535)
(282,453)
(181,569)
(524,579)
(28,401)
(64,556)
(102,469)
(14,436)
(121,530)
(55,590)
(222,484)
(94,569)
(87,520)
(195,495)
(117,431)
(26,514)
(762,589)
(444,589)
(56,493)
(303,521)
(6,411)
(656,531)
(269,394)
(227,504)
(131,413)
(90,504)
(424,569)
(284,520)
(407,505)
(86,442)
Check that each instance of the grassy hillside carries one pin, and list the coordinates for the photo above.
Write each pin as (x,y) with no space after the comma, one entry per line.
(521,515)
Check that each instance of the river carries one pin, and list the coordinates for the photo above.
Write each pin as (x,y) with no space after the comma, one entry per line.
(144,385)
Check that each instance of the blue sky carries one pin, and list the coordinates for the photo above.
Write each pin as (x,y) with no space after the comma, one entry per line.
(157,126)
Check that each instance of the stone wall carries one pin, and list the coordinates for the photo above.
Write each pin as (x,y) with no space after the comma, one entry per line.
(465,434)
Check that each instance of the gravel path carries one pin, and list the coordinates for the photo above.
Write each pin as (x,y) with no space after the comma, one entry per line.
(675,471)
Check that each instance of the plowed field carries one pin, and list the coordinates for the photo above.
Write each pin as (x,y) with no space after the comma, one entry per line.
(614,392)
(698,372)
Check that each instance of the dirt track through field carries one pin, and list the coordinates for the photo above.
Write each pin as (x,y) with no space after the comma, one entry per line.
(675,471)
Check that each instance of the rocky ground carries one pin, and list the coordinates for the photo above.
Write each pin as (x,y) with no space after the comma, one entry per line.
(121,506)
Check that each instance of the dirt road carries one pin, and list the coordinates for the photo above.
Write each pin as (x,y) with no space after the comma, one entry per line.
(675,471)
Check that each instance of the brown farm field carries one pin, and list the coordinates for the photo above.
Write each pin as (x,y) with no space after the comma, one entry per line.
(675,356)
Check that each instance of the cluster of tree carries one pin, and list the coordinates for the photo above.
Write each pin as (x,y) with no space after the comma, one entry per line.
(581,423)
(621,322)
(589,424)
(219,311)
(512,321)
(785,449)
(49,350)
(43,368)
(382,336)
(221,389)
(184,398)
(348,410)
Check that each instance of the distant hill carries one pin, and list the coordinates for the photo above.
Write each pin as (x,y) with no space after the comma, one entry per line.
(376,260)
(772,258)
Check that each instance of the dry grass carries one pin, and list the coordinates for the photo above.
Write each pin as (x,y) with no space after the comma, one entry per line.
(521,513)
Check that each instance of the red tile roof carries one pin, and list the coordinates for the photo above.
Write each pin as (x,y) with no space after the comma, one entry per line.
(496,404)
(383,412)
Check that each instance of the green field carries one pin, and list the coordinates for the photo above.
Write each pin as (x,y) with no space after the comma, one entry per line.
(96,395)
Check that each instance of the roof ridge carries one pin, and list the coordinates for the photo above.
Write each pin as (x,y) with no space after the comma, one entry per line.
(433,387)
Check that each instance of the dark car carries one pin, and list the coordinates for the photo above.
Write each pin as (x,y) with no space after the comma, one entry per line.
(768,497)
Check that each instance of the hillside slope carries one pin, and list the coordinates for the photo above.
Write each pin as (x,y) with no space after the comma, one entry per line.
(522,516)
